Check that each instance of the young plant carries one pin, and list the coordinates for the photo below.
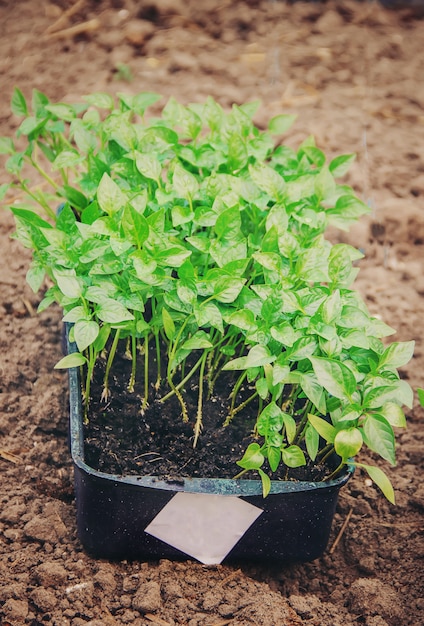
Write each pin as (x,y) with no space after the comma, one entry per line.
(191,237)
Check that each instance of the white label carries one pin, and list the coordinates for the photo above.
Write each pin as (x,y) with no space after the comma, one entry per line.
(204,526)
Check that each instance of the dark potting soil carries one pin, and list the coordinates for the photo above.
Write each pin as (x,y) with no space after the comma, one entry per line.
(121,438)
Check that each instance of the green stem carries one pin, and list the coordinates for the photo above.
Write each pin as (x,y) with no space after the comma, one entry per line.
(158,360)
(92,357)
(133,362)
(198,424)
(234,393)
(335,472)
(302,424)
(183,381)
(106,392)
(324,450)
(146,372)
(240,474)
(330,450)
(39,200)
(240,407)
(44,174)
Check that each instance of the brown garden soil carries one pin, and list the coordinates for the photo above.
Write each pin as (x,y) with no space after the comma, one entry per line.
(354,74)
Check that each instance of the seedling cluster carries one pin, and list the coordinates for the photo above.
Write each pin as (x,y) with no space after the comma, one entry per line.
(192,237)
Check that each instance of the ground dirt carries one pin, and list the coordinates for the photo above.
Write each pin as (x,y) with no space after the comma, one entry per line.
(354,74)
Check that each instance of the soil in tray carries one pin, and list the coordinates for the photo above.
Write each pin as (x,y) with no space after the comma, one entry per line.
(121,438)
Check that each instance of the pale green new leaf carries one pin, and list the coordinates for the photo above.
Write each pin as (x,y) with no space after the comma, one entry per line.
(75,359)
(280,124)
(380,479)
(348,442)
(293,456)
(393,413)
(266,483)
(323,428)
(109,196)
(68,283)
(252,458)
(199,341)
(113,312)
(184,182)
(85,333)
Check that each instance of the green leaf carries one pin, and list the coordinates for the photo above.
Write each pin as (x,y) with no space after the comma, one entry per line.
(35,276)
(67,158)
(39,101)
(377,396)
(274,457)
(68,283)
(313,390)
(168,324)
(181,215)
(290,425)
(208,314)
(293,456)
(184,183)
(226,289)
(347,211)
(135,225)
(30,217)
(348,442)
(244,319)
(85,333)
(397,354)
(405,394)
(325,185)
(6,146)
(102,338)
(76,313)
(380,479)
(280,124)
(252,458)
(266,483)
(331,307)
(149,165)
(312,442)
(341,164)
(302,349)
(15,163)
(63,111)
(379,437)
(270,420)
(393,413)
(100,100)
(261,387)
(75,198)
(237,152)
(109,196)
(258,356)
(18,104)
(199,341)
(268,180)
(269,260)
(71,360)
(334,376)
(113,312)
(213,114)
(420,393)
(323,428)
